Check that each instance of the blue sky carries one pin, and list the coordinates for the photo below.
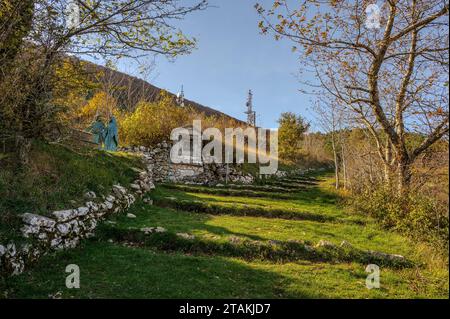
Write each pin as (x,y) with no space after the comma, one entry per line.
(233,57)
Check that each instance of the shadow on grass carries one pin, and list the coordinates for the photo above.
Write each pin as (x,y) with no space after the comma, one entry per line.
(114,271)
(176,221)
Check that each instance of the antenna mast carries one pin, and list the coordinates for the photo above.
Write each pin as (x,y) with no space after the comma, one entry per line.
(251,115)
(180,97)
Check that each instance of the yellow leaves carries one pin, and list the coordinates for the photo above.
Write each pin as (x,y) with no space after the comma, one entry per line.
(152,122)
(101,104)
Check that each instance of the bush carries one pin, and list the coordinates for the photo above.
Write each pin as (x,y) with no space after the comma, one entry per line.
(418,217)
(153,122)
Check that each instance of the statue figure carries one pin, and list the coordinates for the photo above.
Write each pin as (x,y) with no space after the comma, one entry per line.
(98,131)
(112,135)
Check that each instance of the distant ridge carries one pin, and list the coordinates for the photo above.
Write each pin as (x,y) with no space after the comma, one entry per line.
(136,89)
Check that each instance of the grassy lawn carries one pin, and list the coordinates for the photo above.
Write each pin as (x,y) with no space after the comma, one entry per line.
(128,267)
(116,271)
(222,227)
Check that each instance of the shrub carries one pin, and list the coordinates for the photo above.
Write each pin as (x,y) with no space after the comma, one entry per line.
(419,217)
(153,122)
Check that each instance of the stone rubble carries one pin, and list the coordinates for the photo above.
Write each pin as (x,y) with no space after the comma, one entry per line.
(186,236)
(158,162)
(151,230)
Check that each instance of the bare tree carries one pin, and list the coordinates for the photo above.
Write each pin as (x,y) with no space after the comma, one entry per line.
(394,78)
(330,118)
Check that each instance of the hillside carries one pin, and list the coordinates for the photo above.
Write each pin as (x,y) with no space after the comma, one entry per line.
(133,89)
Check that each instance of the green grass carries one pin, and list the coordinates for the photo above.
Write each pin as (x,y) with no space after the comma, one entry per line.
(316,201)
(55,178)
(223,227)
(135,265)
(116,271)
(229,191)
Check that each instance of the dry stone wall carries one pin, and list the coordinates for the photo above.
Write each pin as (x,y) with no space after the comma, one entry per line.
(65,229)
(158,162)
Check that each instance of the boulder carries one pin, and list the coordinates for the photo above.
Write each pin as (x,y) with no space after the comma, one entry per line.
(63,229)
(186,236)
(28,230)
(135,187)
(90,195)
(37,220)
(65,215)
(82,211)
(326,244)
(119,191)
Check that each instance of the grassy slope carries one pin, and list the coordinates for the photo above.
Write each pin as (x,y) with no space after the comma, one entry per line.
(56,177)
(117,270)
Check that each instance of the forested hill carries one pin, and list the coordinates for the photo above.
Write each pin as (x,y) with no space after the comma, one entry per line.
(133,89)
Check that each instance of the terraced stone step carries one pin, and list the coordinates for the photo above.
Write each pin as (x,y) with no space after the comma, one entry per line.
(265,188)
(289,185)
(302,177)
(299,181)
(215,209)
(227,192)
(278,251)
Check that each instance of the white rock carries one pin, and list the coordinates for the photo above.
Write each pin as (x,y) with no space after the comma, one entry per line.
(110,198)
(11,250)
(92,224)
(37,220)
(65,215)
(160,230)
(136,187)
(63,229)
(325,243)
(42,236)
(149,230)
(186,236)
(345,244)
(119,190)
(148,201)
(90,195)
(108,205)
(93,207)
(82,211)
(56,242)
(28,230)
(129,215)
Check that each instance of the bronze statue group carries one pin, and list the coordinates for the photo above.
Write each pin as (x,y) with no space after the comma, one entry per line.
(106,136)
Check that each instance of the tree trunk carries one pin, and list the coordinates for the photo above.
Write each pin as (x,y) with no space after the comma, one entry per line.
(404,177)
(336,162)
(344,166)
(23,148)
(387,164)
